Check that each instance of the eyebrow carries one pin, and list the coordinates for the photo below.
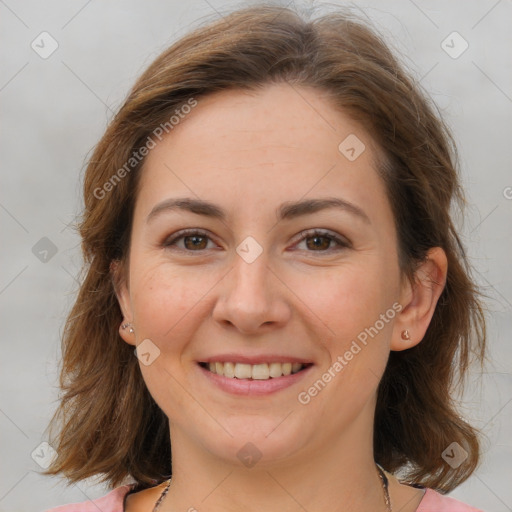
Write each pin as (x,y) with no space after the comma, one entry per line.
(286,211)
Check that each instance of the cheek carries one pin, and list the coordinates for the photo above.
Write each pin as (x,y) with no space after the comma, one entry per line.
(354,306)
(167,299)
(348,298)
(357,346)
(167,304)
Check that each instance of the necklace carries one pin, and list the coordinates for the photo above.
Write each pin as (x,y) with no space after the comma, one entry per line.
(382,475)
(385,484)
(162,496)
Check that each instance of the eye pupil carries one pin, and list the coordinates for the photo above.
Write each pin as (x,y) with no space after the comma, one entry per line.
(195,239)
(320,245)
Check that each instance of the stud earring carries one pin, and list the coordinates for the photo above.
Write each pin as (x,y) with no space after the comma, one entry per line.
(405,335)
(128,324)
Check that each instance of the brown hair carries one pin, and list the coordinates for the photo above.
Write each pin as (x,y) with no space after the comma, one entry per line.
(109,425)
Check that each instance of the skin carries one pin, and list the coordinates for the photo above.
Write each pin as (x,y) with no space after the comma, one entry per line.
(249,153)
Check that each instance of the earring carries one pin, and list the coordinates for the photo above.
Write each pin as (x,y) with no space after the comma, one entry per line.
(128,324)
(405,335)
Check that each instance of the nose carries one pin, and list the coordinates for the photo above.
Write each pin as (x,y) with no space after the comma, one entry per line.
(251,297)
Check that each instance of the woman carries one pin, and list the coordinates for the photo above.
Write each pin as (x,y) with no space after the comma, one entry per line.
(274,285)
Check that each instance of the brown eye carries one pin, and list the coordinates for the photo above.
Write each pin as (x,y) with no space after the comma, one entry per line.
(193,241)
(320,241)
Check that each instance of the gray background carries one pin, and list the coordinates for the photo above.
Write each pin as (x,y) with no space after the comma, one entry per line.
(54,110)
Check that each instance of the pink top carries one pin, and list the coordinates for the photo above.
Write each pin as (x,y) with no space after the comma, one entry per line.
(113,502)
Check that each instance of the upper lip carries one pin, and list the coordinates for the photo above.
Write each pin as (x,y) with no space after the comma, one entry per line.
(255,359)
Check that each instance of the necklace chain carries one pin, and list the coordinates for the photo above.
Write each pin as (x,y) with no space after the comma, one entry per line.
(382,476)
(385,484)
(162,496)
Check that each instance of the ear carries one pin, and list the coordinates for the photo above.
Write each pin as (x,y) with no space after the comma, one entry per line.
(117,274)
(419,299)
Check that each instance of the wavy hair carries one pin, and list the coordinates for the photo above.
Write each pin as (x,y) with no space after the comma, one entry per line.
(107,424)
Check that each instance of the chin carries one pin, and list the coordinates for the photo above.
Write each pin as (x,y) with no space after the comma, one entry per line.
(258,441)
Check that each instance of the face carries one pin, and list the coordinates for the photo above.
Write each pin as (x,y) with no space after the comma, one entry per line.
(259,284)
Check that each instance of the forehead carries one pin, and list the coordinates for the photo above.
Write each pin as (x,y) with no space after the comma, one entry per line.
(262,147)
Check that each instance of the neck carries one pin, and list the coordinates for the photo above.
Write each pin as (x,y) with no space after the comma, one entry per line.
(338,473)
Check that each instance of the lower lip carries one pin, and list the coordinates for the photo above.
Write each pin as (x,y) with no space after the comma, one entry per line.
(255,387)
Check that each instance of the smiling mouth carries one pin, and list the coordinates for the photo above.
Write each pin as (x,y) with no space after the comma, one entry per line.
(263,371)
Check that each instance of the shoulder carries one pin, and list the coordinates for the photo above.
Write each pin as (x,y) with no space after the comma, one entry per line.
(435,502)
(111,502)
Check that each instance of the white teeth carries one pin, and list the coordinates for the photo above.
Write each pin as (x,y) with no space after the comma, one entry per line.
(296,367)
(219,368)
(262,371)
(274,370)
(229,370)
(287,368)
(242,371)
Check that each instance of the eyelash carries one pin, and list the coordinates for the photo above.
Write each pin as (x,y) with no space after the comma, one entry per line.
(342,243)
